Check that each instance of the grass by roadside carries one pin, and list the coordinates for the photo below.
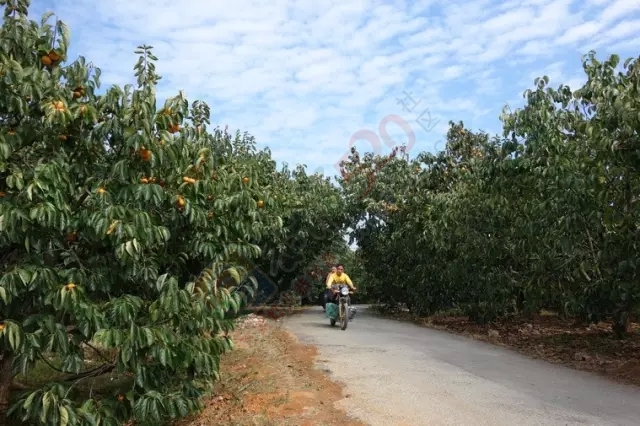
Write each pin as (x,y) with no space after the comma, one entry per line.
(269,379)
(592,348)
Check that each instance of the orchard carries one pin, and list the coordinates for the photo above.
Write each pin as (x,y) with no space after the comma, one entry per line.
(132,232)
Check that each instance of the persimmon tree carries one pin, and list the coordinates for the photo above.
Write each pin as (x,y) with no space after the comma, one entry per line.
(593,150)
(314,220)
(119,222)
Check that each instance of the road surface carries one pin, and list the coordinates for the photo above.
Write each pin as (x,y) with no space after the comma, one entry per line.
(397,373)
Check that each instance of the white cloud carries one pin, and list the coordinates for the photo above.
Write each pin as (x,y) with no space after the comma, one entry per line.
(626,45)
(620,9)
(452,72)
(304,76)
(581,32)
(624,29)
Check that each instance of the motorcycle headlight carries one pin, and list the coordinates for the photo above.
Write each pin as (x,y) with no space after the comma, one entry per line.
(344,291)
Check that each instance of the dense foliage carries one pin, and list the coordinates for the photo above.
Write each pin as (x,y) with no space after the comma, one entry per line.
(544,216)
(127,235)
(313,219)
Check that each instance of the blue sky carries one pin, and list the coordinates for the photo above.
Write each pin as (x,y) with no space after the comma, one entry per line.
(304,76)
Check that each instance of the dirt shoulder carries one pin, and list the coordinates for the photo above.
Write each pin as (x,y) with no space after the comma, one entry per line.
(270,379)
(592,348)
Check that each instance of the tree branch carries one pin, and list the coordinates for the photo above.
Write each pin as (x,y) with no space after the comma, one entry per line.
(17,386)
(100,354)
(94,372)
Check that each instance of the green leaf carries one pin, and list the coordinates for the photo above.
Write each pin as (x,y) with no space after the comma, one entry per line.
(64,415)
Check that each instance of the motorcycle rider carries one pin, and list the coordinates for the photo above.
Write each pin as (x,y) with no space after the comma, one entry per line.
(334,280)
(333,271)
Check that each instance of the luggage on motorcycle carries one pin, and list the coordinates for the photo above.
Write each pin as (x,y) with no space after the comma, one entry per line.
(331,310)
(352,312)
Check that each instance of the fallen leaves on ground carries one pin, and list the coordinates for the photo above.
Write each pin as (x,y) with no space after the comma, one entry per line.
(275,312)
(591,347)
(270,379)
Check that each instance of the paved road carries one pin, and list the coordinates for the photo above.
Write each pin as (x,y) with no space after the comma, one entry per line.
(398,373)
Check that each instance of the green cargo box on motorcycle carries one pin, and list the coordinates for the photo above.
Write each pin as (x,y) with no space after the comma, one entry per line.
(332,311)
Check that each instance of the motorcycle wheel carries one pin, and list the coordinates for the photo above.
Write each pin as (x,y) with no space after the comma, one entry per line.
(344,316)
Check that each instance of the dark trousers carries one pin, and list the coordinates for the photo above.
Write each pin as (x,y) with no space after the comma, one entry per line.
(329,297)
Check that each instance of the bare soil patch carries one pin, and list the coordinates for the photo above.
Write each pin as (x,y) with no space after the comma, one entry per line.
(270,379)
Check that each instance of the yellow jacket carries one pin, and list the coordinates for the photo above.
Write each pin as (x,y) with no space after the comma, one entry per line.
(335,279)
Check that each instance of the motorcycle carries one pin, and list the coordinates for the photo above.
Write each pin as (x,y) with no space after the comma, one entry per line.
(342,311)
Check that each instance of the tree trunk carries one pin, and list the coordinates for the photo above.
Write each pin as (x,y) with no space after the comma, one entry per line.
(520,302)
(621,324)
(6,376)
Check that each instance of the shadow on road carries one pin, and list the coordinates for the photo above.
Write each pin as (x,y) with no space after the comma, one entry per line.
(317,324)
